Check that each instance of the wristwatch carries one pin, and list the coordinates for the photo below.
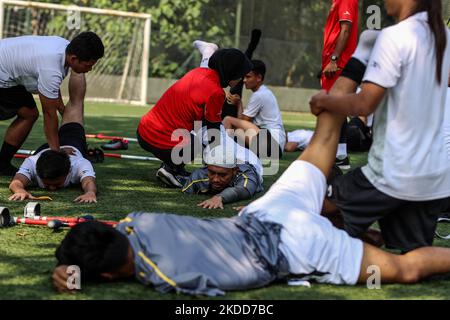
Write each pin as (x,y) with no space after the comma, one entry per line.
(334,58)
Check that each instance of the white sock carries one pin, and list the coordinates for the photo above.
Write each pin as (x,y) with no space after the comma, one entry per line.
(207,50)
(342,151)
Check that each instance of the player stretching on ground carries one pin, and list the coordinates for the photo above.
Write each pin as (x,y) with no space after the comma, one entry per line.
(198,96)
(280,235)
(58,169)
(37,64)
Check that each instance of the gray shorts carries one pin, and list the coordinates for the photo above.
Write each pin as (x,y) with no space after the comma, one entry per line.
(405,225)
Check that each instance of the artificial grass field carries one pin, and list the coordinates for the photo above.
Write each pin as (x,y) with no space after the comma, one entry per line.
(27,253)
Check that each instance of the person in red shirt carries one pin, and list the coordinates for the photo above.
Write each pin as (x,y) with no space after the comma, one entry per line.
(340,41)
(198,96)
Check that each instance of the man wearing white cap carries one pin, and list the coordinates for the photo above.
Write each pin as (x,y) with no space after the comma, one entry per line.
(230,175)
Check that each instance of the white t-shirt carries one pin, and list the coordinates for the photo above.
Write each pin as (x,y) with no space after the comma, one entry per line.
(310,243)
(447,123)
(263,108)
(36,62)
(409,159)
(80,168)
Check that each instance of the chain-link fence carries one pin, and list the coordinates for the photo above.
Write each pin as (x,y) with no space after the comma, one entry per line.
(291,43)
(292,39)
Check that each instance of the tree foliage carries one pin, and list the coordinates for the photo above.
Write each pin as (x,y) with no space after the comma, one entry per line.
(292,32)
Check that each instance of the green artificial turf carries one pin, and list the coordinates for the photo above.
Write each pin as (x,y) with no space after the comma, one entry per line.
(27,253)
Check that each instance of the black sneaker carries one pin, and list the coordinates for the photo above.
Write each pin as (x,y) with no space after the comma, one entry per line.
(8,170)
(182,172)
(116,144)
(343,164)
(169,177)
(95,155)
(446,215)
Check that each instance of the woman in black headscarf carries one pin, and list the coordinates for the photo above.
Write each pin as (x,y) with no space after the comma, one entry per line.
(198,96)
(230,65)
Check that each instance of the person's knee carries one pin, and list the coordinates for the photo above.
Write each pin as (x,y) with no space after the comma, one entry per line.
(411,276)
(30,114)
(408,271)
(290,147)
(227,121)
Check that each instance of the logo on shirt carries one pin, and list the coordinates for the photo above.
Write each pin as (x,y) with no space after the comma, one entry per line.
(346,13)
(375,65)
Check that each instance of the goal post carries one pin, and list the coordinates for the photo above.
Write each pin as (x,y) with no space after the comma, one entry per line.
(122,74)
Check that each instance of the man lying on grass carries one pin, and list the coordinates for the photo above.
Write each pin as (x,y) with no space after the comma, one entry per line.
(53,170)
(232,173)
(279,236)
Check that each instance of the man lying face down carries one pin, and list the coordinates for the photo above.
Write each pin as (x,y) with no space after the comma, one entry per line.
(232,173)
(278,236)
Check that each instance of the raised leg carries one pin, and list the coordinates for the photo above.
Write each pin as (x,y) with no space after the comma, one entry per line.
(74,112)
(322,149)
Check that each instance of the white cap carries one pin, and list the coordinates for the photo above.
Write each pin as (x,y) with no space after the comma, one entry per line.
(221,156)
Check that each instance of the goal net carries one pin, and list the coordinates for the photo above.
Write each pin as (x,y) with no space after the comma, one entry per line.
(122,74)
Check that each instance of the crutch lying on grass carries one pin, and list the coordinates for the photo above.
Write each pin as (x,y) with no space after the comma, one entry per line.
(23,154)
(55,223)
(101,136)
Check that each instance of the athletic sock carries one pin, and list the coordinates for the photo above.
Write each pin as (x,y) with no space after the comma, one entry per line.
(305,137)
(206,50)
(6,154)
(342,151)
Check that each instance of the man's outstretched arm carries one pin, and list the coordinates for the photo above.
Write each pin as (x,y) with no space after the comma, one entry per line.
(18,188)
(90,191)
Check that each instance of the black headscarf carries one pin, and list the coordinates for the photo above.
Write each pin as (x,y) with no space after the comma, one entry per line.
(231,64)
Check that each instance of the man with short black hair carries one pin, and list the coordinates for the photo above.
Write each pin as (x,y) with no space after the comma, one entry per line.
(52,165)
(52,169)
(39,64)
(261,121)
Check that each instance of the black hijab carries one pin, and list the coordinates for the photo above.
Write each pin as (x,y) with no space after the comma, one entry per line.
(230,64)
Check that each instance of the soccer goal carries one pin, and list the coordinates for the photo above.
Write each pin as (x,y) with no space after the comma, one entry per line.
(122,75)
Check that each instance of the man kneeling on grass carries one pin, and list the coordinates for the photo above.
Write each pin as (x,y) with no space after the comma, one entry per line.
(232,173)
(279,236)
(53,170)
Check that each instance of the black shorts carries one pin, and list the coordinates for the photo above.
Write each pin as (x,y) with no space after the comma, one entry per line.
(71,134)
(405,225)
(354,70)
(165,155)
(12,99)
(265,146)
(359,136)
